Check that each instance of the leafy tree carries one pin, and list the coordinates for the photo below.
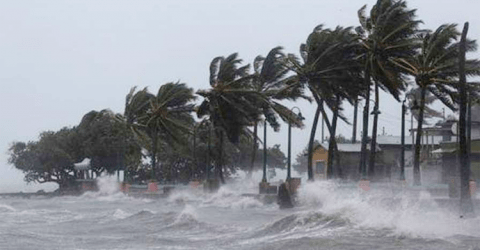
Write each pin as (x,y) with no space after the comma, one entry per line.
(107,142)
(48,160)
(435,68)
(385,35)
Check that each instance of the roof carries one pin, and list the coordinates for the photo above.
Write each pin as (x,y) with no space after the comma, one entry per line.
(83,165)
(442,151)
(350,147)
(397,140)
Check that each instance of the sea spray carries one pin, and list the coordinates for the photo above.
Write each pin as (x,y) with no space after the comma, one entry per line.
(414,213)
(108,185)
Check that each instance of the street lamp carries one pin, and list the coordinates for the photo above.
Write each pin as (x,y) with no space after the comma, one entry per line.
(300,117)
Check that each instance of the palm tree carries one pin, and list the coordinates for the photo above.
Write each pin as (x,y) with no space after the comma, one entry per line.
(269,80)
(328,62)
(163,116)
(435,68)
(414,97)
(385,35)
(230,103)
(465,196)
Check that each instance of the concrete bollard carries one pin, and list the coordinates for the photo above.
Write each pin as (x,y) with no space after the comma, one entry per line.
(194,184)
(364,185)
(152,187)
(263,187)
(472,187)
(284,198)
(294,184)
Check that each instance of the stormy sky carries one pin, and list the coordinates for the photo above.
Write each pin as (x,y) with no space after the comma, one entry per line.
(62,59)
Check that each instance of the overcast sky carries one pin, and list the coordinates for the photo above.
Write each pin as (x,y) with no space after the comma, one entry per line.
(61,59)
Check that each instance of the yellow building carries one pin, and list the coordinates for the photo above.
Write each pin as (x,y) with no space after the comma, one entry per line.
(349,160)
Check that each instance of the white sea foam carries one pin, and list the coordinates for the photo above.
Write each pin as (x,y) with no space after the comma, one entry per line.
(6,208)
(413,213)
(120,214)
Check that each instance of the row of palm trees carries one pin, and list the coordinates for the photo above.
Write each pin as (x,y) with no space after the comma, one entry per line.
(336,66)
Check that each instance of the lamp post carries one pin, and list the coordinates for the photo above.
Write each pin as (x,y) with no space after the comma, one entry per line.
(289,167)
(264,178)
(414,108)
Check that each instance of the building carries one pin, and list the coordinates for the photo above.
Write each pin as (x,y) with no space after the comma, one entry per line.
(84,176)
(349,160)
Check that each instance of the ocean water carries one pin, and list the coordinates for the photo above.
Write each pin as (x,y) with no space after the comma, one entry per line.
(329,216)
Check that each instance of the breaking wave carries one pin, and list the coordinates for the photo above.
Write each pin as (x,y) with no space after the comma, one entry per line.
(413,213)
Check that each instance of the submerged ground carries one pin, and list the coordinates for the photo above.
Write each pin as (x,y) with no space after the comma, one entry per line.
(329,216)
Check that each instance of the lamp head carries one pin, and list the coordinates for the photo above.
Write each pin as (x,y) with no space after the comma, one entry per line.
(300,116)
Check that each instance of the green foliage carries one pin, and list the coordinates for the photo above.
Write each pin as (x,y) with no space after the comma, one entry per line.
(162,120)
(108,142)
(435,65)
(414,98)
(230,103)
(388,34)
(48,160)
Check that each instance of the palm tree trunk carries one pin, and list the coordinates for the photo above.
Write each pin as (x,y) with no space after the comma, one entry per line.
(466,205)
(310,144)
(154,155)
(220,158)
(355,111)
(330,130)
(332,141)
(255,148)
(363,155)
(312,134)
(371,163)
(416,162)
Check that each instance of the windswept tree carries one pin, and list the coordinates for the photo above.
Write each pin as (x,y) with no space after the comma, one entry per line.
(386,35)
(269,79)
(107,142)
(413,97)
(328,64)
(50,159)
(230,103)
(159,119)
(435,68)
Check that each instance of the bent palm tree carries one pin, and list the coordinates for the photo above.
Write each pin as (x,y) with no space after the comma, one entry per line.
(269,80)
(163,116)
(414,97)
(328,62)
(230,103)
(435,68)
(385,35)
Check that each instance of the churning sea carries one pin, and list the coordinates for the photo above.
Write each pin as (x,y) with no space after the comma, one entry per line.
(328,216)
